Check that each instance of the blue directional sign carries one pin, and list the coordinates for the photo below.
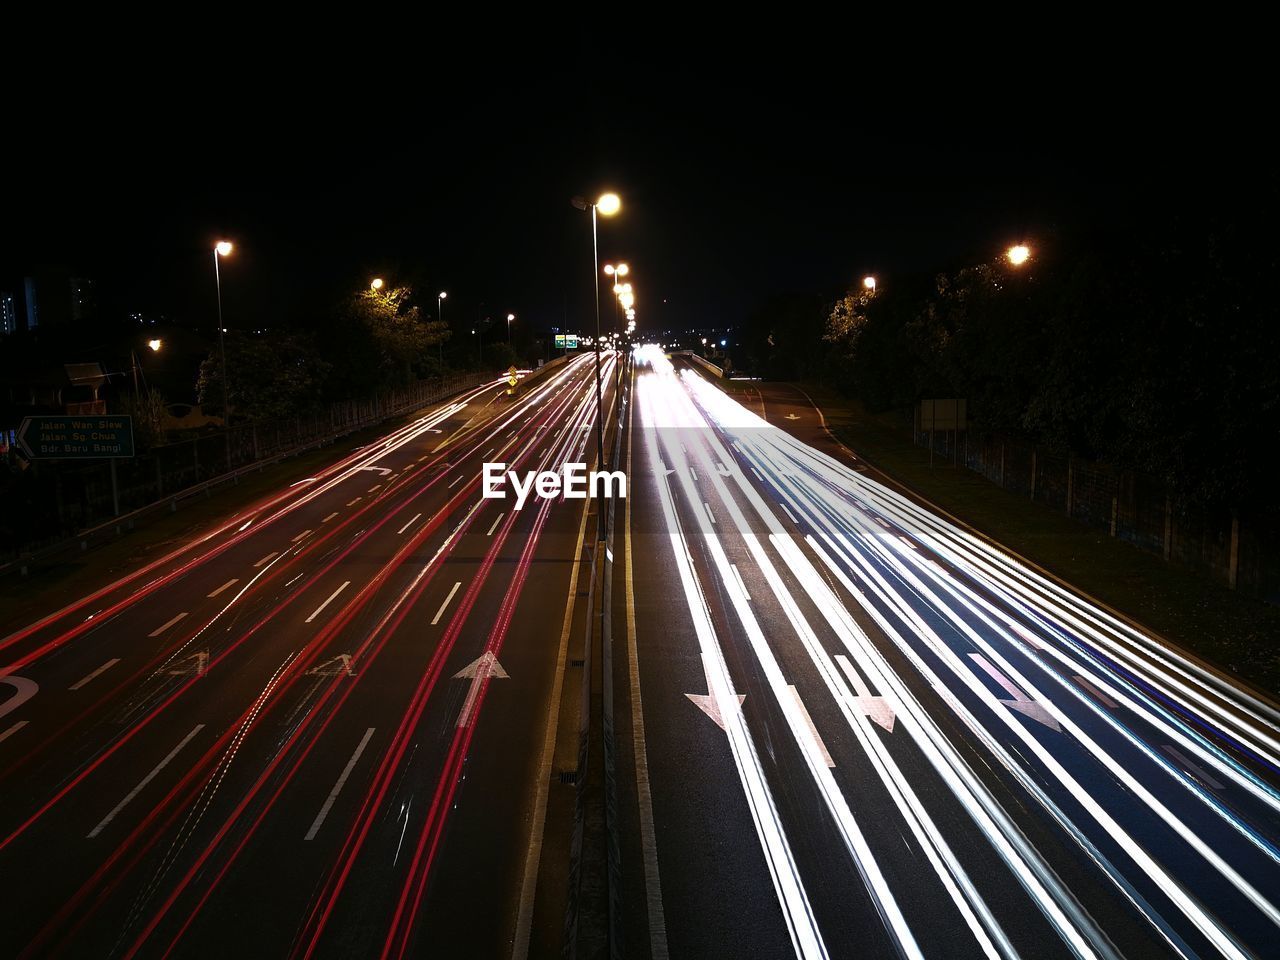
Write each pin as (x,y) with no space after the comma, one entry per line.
(76,437)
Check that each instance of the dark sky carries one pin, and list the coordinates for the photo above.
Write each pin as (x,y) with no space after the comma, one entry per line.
(733,190)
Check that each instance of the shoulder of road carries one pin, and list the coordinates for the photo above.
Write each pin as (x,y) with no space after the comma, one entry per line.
(1234,633)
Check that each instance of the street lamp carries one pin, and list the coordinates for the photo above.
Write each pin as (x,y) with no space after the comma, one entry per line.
(479,346)
(376,284)
(440,319)
(154,345)
(607,205)
(1019,254)
(870,283)
(621,270)
(510,317)
(223,248)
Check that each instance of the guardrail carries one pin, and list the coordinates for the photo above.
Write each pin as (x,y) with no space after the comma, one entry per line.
(700,361)
(109,529)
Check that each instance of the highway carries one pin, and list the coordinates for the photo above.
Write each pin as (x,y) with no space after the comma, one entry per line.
(317,730)
(861,730)
(845,726)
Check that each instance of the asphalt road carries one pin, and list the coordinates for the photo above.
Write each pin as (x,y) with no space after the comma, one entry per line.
(332,725)
(319,729)
(866,732)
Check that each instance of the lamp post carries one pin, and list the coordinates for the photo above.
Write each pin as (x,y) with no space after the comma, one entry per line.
(607,205)
(618,272)
(440,319)
(510,317)
(376,284)
(223,248)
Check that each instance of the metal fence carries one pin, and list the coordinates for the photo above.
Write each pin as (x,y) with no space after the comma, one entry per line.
(1239,549)
(54,500)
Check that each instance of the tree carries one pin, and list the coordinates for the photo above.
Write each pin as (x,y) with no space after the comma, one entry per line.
(272,374)
(402,341)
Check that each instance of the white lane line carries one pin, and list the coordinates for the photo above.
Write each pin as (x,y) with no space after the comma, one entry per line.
(376,486)
(352,503)
(440,612)
(409,524)
(693,474)
(337,787)
(757,473)
(12,730)
(489,453)
(1192,768)
(269,556)
(145,780)
(329,517)
(300,536)
(791,515)
(456,482)
(496,521)
(741,583)
(817,745)
(97,673)
(161,629)
(1094,692)
(230,583)
(423,457)
(320,609)
(710,516)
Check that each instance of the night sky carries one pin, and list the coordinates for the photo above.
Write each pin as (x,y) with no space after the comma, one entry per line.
(732,191)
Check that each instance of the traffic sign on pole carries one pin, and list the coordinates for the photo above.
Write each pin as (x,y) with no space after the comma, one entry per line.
(76,438)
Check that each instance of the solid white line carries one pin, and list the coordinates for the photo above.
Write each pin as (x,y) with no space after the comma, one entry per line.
(300,536)
(329,517)
(265,559)
(161,629)
(145,780)
(409,524)
(93,676)
(319,609)
(456,482)
(496,521)
(440,612)
(12,730)
(337,787)
(230,583)
(741,583)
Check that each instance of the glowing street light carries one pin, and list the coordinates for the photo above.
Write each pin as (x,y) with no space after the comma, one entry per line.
(510,317)
(606,206)
(870,283)
(1019,254)
(223,248)
(154,345)
(376,284)
(440,319)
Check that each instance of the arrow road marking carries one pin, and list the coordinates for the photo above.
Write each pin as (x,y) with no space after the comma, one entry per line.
(1192,768)
(26,690)
(197,663)
(877,709)
(1020,702)
(707,704)
(145,780)
(93,676)
(341,664)
(479,670)
(381,471)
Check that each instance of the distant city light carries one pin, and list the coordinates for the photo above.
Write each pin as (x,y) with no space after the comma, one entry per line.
(1019,254)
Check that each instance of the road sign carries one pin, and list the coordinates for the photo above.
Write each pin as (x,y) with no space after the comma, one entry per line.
(76,438)
(572,341)
(513,375)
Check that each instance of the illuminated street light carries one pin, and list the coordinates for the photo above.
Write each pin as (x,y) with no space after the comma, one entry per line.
(606,206)
(510,317)
(1018,255)
(376,284)
(440,319)
(154,345)
(870,283)
(222,249)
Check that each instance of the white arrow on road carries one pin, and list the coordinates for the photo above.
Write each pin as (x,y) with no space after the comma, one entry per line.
(26,690)
(1020,702)
(707,704)
(723,470)
(791,416)
(382,471)
(877,709)
(666,471)
(341,664)
(478,671)
(196,664)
